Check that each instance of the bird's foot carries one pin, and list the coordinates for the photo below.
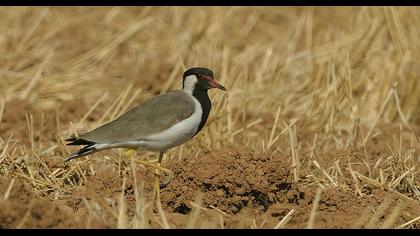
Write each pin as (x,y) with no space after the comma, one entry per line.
(131,153)
(169,173)
(158,185)
(156,195)
(168,178)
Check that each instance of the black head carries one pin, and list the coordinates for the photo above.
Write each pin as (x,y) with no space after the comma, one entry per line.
(197,71)
(200,78)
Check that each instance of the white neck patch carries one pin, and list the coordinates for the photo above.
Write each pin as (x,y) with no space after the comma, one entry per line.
(189,84)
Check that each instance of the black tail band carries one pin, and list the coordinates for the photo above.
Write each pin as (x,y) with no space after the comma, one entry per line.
(89,149)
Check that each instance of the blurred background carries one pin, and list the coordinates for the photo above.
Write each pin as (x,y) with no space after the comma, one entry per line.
(333,65)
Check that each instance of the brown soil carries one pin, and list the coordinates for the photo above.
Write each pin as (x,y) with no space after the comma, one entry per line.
(242,187)
(241,182)
(238,186)
(230,180)
(23,209)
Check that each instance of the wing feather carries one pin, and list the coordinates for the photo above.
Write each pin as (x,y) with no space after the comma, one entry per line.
(152,117)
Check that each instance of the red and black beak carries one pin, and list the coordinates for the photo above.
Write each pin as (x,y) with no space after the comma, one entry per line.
(213,84)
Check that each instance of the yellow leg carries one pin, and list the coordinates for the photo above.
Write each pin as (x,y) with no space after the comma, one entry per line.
(157,175)
(131,154)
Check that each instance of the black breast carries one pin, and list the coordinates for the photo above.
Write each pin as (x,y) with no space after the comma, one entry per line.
(203,98)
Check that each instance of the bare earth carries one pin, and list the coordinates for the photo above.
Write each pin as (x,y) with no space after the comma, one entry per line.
(237,187)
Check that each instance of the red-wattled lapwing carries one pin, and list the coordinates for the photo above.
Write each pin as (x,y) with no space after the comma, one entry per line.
(159,124)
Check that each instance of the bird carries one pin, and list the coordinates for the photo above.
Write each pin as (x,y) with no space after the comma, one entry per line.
(159,124)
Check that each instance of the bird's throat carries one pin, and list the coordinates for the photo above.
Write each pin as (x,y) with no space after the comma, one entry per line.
(204,100)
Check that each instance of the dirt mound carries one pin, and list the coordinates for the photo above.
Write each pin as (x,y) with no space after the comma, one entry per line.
(239,188)
(244,183)
(229,180)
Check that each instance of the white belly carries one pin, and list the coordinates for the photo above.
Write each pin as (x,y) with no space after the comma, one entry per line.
(175,135)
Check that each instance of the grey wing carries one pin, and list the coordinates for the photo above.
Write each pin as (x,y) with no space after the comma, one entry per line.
(151,117)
